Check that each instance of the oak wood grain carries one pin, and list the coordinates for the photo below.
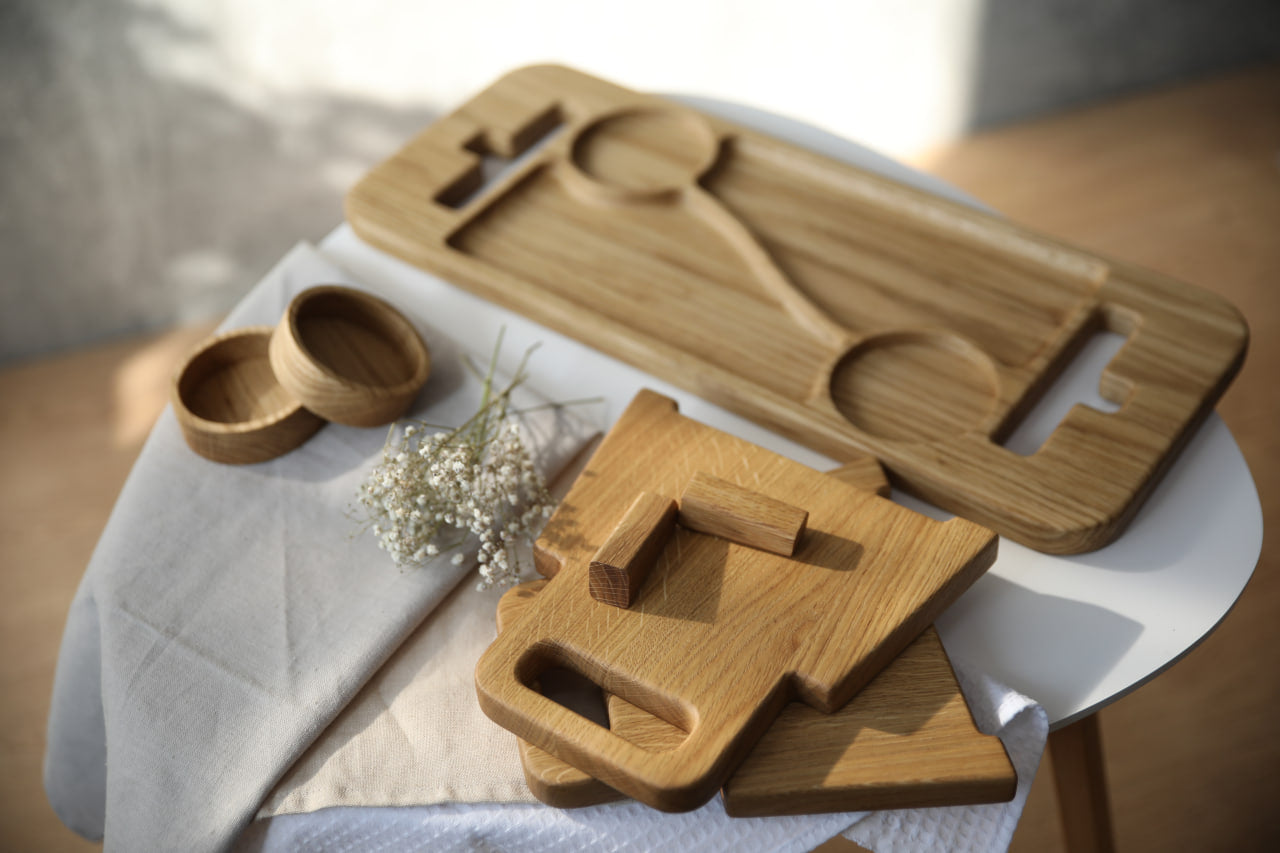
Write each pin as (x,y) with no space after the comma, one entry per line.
(719,508)
(721,636)
(349,356)
(625,559)
(906,740)
(231,405)
(863,472)
(848,312)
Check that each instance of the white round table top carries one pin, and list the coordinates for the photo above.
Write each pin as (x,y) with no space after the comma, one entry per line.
(1074,633)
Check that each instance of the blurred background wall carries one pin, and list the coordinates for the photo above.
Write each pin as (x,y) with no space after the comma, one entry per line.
(157,156)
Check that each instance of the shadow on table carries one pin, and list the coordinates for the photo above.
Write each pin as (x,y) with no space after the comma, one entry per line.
(1177,521)
(1008,624)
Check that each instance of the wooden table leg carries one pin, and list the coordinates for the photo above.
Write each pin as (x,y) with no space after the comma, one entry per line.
(1082,787)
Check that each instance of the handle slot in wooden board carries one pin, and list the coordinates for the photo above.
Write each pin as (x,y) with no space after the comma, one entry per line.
(907,740)
(815,298)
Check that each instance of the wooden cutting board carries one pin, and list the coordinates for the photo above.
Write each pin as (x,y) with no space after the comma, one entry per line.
(906,740)
(721,636)
(844,310)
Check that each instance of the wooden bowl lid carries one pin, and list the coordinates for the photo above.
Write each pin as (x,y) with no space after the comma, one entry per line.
(349,356)
(231,407)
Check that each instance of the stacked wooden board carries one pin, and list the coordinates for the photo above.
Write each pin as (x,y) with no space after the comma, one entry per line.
(735,658)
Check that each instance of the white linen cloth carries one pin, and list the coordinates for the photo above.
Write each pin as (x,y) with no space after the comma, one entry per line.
(230,612)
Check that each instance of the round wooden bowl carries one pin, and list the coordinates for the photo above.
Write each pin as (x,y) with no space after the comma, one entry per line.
(349,356)
(230,406)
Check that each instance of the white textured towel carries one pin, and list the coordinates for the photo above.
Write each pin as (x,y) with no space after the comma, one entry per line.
(230,612)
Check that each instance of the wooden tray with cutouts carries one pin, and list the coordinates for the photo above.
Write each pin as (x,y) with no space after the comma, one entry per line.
(842,309)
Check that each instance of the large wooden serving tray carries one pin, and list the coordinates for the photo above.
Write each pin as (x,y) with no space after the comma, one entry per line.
(844,310)
(721,635)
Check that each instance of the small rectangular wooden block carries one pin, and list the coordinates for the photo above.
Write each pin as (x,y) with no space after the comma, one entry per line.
(720,508)
(624,560)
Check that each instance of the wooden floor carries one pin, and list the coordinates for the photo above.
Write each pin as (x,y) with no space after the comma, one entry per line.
(1186,181)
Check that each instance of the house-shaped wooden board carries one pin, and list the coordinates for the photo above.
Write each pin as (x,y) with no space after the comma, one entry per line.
(721,636)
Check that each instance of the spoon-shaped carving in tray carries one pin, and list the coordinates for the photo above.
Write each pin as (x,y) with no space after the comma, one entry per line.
(844,310)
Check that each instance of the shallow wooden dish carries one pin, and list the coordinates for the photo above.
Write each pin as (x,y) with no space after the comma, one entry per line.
(230,405)
(349,356)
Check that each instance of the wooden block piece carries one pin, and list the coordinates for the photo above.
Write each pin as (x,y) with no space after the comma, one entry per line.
(624,560)
(720,508)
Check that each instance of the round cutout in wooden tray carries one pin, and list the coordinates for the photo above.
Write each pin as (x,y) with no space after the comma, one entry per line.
(230,405)
(645,153)
(349,356)
(915,385)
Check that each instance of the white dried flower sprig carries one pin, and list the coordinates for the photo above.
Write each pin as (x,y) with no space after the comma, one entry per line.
(438,488)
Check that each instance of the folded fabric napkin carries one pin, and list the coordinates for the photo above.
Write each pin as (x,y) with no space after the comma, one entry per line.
(229,613)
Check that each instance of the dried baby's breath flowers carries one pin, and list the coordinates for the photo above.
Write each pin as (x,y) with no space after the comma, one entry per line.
(438,488)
